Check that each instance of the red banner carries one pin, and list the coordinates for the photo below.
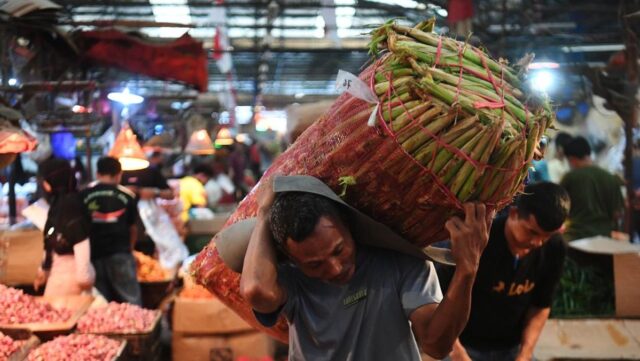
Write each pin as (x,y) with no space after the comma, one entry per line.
(183,59)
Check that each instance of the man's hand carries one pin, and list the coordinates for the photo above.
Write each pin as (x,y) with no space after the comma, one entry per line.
(41,279)
(459,353)
(522,357)
(266,196)
(469,237)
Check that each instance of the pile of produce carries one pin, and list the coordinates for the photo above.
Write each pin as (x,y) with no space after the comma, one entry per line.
(117,318)
(195,292)
(149,269)
(8,346)
(77,347)
(17,307)
(451,125)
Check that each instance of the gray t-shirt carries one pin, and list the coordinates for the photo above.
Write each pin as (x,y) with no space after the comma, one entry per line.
(367,319)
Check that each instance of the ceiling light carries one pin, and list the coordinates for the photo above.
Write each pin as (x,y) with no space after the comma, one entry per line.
(543,65)
(200,143)
(593,48)
(127,150)
(224,137)
(80,109)
(125,97)
(542,81)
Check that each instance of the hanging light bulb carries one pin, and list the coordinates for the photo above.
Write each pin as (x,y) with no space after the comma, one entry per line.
(125,97)
(127,150)
(224,137)
(200,143)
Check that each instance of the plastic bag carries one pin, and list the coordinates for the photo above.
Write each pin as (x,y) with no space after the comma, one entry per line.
(171,249)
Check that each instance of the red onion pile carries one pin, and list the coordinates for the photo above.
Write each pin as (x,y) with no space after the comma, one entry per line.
(77,347)
(7,346)
(16,307)
(117,317)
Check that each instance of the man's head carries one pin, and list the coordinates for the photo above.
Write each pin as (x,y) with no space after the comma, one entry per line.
(562,139)
(56,176)
(536,215)
(202,173)
(578,152)
(109,170)
(156,159)
(312,231)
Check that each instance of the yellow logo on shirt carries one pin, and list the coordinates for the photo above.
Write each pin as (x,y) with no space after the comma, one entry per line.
(514,289)
(355,298)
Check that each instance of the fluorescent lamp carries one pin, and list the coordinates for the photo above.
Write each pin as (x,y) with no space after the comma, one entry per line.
(542,81)
(125,97)
(543,65)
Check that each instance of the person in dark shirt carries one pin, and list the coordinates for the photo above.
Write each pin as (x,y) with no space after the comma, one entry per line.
(66,268)
(597,204)
(518,273)
(113,213)
(149,182)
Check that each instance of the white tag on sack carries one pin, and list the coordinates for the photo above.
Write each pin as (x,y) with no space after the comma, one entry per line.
(347,82)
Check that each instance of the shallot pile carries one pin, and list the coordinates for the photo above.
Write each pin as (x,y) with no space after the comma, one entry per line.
(16,307)
(77,347)
(148,268)
(117,317)
(7,346)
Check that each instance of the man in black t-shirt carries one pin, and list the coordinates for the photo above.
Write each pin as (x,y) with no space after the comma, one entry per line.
(518,273)
(148,182)
(113,213)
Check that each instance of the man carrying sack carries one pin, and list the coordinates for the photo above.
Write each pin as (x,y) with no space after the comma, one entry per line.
(518,274)
(344,296)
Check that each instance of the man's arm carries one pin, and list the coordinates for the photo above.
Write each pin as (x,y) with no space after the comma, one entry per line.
(459,353)
(259,281)
(437,327)
(133,235)
(150,193)
(534,323)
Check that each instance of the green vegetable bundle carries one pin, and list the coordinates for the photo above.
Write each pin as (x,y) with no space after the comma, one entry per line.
(456,111)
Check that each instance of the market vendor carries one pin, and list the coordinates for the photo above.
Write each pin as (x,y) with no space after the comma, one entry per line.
(343,299)
(596,196)
(113,212)
(192,191)
(518,273)
(66,268)
(148,183)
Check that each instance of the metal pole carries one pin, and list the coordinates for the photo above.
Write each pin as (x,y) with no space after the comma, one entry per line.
(89,168)
(631,54)
(13,214)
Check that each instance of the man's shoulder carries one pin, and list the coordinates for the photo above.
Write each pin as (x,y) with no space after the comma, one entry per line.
(126,191)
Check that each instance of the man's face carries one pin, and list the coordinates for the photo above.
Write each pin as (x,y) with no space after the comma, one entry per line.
(327,254)
(203,178)
(525,231)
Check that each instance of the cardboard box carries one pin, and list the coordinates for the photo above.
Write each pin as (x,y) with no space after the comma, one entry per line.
(253,346)
(22,256)
(208,226)
(206,316)
(605,339)
(626,270)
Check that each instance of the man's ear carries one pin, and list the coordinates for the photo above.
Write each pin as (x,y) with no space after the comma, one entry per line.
(513,212)
(47,187)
